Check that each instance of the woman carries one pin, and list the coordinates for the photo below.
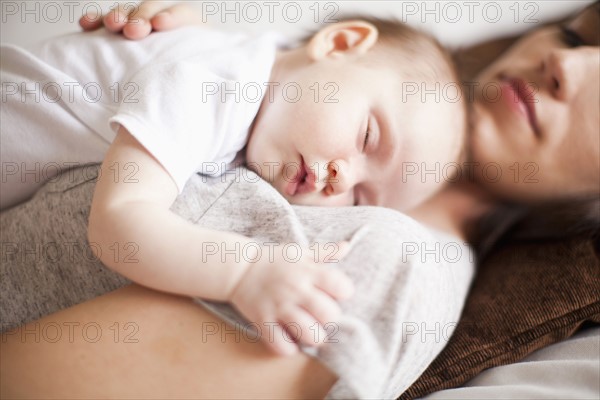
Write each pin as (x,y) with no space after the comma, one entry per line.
(538,139)
(183,359)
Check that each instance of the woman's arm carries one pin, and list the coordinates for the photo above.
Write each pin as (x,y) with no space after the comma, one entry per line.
(396,294)
(139,343)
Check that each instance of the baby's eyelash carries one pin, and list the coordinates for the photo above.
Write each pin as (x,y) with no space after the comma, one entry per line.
(570,37)
(366,137)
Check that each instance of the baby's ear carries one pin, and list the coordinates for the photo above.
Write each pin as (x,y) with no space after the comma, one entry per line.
(342,38)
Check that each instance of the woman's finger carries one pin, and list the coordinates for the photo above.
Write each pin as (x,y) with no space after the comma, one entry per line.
(90,21)
(137,21)
(175,17)
(138,24)
(116,18)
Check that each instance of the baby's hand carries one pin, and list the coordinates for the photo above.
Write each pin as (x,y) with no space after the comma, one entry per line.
(137,21)
(302,295)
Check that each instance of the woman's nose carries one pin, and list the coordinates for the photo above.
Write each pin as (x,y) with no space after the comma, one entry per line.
(340,178)
(563,70)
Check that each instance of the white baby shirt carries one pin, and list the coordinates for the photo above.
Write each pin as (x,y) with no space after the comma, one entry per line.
(189,96)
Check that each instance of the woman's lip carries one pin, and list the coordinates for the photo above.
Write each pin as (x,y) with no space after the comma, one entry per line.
(303,181)
(520,96)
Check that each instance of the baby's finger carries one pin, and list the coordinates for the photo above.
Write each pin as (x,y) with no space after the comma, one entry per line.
(335,283)
(322,307)
(175,17)
(344,248)
(278,340)
(329,252)
(301,327)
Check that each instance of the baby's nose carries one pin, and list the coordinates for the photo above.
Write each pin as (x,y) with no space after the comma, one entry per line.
(339,178)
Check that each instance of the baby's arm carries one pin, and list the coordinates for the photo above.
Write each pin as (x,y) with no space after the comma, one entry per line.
(133,212)
(169,251)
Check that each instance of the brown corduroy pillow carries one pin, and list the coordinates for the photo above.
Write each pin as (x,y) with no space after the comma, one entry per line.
(525,296)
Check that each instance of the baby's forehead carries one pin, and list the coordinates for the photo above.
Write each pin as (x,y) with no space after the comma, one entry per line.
(416,89)
(411,55)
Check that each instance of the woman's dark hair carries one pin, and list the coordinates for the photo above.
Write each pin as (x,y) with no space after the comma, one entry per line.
(551,220)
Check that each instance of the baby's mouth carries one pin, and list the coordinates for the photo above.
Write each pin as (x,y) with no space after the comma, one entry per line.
(303,182)
(307,181)
(302,177)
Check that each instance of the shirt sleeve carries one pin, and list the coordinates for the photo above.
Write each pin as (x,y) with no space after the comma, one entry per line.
(168,115)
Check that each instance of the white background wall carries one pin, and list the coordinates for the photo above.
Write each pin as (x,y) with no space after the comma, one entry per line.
(454,22)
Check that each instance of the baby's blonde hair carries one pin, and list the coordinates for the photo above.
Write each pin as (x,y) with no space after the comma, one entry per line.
(417,54)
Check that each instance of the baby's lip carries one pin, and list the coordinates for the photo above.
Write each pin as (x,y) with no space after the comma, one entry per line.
(308,183)
(303,182)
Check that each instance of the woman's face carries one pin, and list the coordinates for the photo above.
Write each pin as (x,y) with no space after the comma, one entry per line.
(536,123)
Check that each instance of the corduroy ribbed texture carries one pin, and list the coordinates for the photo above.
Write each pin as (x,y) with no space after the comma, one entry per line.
(525,296)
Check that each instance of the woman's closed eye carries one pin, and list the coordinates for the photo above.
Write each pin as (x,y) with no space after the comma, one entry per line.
(570,37)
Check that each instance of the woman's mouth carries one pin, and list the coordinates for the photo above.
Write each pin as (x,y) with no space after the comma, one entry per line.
(303,182)
(520,97)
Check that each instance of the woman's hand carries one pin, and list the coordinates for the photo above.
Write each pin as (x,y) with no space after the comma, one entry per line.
(136,22)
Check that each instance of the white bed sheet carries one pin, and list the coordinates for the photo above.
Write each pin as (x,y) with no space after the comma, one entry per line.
(566,370)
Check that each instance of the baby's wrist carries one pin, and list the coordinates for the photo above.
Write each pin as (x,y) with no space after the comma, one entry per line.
(241,266)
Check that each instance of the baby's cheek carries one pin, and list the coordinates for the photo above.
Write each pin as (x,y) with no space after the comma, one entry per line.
(259,157)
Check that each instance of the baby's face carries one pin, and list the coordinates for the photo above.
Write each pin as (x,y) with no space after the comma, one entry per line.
(356,135)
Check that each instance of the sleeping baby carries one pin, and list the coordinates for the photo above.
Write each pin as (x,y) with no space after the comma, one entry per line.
(333,121)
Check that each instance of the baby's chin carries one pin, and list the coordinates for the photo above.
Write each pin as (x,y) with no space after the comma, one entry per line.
(297,200)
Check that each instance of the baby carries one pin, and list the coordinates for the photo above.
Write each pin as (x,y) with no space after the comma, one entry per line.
(332,122)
